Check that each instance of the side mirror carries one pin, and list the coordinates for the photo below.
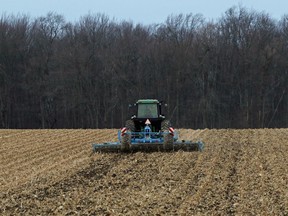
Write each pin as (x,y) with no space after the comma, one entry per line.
(131,105)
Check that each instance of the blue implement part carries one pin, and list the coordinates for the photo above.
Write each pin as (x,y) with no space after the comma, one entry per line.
(148,140)
(107,145)
(189,145)
(147,137)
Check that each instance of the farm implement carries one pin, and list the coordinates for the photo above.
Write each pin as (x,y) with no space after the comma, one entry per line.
(148,130)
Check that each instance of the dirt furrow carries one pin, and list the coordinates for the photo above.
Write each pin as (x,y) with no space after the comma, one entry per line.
(240,172)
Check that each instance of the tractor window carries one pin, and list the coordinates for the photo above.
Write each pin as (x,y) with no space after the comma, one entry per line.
(147,111)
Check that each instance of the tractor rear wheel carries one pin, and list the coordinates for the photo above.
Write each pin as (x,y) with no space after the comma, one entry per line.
(126,141)
(167,137)
(130,125)
(126,138)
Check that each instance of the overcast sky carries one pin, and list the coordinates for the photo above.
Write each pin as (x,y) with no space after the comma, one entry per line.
(144,11)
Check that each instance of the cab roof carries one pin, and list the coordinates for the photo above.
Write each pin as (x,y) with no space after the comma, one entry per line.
(147,101)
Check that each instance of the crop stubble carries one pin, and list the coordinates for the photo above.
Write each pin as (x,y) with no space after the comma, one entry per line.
(240,172)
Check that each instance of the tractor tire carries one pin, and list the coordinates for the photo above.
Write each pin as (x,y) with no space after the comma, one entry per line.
(167,137)
(130,125)
(126,139)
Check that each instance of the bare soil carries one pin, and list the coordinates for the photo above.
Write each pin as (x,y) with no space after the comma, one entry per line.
(54,172)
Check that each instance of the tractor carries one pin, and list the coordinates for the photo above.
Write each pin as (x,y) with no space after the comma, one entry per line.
(147,125)
(148,128)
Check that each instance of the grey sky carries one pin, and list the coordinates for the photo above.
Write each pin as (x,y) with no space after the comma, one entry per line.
(145,11)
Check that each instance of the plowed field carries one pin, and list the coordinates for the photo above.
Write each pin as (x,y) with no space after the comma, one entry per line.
(52,172)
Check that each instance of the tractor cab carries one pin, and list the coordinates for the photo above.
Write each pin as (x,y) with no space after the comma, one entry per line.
(148,109)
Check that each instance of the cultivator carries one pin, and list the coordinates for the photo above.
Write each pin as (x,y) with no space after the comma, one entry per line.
(147,141)
(148,130)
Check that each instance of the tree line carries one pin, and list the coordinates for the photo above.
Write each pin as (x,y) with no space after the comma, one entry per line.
(226,73)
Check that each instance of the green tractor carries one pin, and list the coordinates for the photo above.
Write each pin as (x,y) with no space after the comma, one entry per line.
(148,125)
(148,128)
